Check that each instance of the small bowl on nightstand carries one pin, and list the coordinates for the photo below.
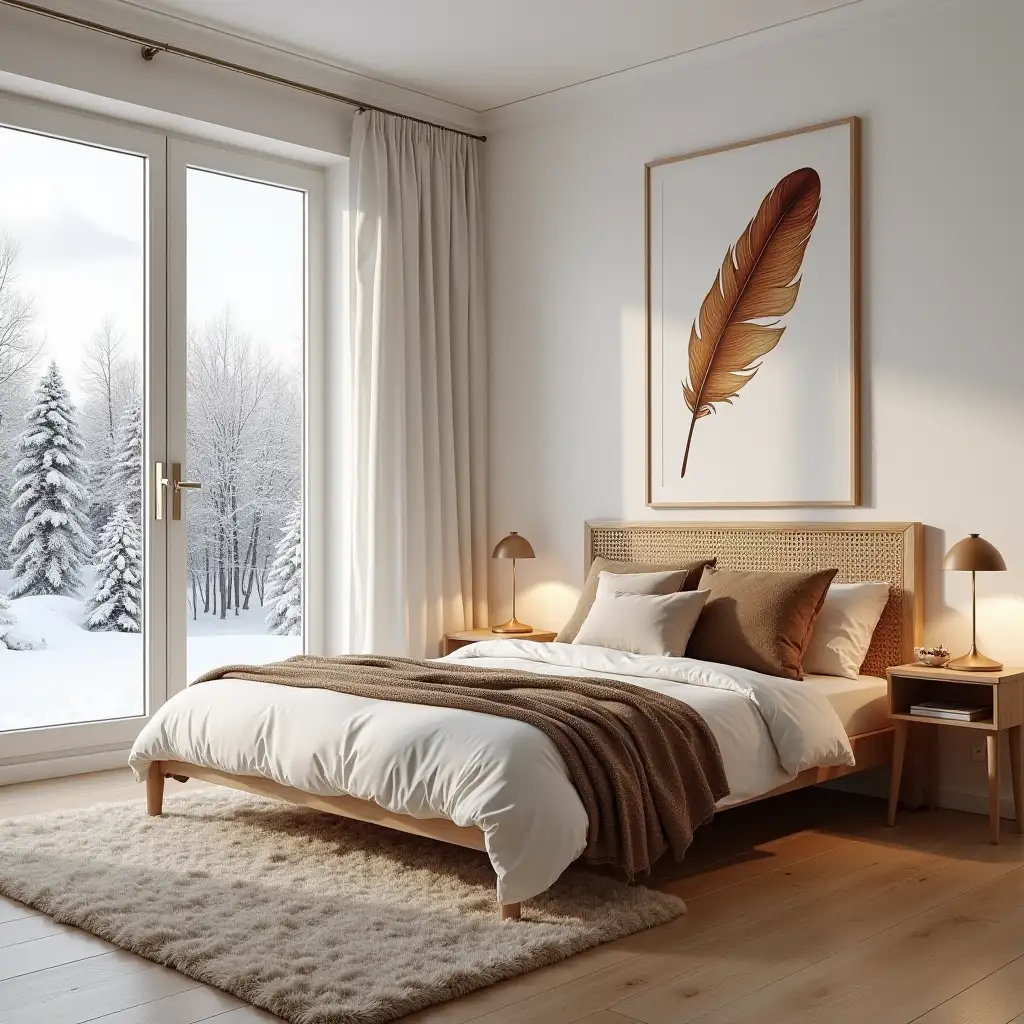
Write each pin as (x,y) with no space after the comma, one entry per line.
(933,657)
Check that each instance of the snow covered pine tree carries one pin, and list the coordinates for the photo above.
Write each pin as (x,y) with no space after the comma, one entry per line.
(13,638)
(127,481)
(284,584)
(115,604)
(48,498)
(7,619)
(5,514)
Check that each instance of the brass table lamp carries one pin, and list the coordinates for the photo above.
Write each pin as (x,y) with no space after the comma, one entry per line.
(513,546)
(974,554)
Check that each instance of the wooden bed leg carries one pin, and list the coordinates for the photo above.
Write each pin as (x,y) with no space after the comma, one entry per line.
(155,789)
(510,911)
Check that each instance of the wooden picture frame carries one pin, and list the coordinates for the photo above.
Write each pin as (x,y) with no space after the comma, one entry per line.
(657,490)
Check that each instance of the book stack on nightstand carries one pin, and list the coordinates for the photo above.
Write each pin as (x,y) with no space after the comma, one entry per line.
(950,710)
(933,698)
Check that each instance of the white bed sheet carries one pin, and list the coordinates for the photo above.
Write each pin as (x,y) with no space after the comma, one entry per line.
(500,775)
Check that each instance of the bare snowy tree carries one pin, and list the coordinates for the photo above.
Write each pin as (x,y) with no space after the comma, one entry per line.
(19,348)
(103,375)
(112,383)
(244,444)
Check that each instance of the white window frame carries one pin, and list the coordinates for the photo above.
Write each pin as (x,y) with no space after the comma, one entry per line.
(91,737)
(36,753)
(183,154)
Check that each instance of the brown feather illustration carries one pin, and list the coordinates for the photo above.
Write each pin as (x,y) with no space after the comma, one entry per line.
(758,280)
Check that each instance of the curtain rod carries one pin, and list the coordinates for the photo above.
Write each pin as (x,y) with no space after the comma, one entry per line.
(151,47)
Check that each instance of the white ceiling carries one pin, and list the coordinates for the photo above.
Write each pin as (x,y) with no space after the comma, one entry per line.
(483,54)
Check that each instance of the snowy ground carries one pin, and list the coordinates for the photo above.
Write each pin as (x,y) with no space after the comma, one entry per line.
(83,676)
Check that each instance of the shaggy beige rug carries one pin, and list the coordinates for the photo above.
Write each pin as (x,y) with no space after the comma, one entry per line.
(313,917)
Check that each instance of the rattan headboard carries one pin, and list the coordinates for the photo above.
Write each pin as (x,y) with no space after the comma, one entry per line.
(861,551)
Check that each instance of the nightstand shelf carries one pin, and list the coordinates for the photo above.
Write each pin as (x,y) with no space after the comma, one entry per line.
(1001,693)
(453,641)
(984,724)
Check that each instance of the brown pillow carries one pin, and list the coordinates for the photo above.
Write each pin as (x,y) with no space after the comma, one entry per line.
(693,570)
(759,620)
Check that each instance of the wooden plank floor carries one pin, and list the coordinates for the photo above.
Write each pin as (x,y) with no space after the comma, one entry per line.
(802,909)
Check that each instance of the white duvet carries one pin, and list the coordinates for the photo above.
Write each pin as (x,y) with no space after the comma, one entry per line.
(500,775)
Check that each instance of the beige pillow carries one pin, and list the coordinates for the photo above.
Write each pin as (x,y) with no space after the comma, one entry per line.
(643,623)
(844,627)
(693,569)
(670,582)
(759,620)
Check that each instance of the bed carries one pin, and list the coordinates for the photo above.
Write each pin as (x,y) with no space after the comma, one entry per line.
(499,785)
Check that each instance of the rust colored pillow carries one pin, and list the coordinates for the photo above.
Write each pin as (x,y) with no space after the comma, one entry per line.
(758,620)
(692,569)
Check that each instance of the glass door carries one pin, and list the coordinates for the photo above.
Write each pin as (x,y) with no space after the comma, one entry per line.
(160,432)
(241,293)
(82,409)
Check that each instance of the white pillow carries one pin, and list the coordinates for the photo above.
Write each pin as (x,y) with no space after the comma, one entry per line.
(640,582)
(643,623)
(843,629)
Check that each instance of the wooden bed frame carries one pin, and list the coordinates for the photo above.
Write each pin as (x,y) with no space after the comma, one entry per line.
(861,551)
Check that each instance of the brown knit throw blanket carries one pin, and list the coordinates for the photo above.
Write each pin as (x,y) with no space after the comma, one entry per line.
(646,766)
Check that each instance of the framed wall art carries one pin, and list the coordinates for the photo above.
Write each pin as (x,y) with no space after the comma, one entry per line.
(752,323)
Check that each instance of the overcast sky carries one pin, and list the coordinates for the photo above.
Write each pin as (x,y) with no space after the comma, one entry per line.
(78,213)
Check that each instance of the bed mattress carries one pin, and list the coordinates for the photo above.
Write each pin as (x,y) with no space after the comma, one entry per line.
(861,704)
(500,775)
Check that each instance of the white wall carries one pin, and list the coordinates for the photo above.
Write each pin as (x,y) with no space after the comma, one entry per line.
(939,86)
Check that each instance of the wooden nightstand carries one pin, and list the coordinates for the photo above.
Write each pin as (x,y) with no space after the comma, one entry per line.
(1001,692)
(453,641)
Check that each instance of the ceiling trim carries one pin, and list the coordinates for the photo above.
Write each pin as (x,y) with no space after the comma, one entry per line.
(151,48)
(324,61)
(316,58)
(838,5)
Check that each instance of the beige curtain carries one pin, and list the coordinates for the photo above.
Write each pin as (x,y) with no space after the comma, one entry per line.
(415,551)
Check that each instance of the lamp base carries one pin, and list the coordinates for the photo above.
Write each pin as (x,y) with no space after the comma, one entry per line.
(973,661)
(512,626)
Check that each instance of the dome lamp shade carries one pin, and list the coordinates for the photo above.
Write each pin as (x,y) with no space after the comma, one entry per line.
(513,546)
(974,554)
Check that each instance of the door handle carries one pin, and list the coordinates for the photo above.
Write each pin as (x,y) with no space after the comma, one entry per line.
(159,491)
(176,485)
